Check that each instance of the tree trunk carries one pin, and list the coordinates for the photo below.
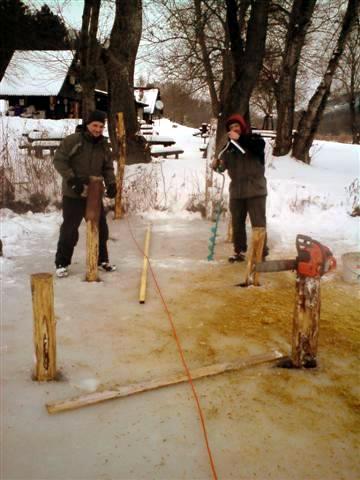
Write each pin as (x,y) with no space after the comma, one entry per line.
(300,19)
(354,115)
(247,59)
(310,119)
(228,76)
(200,36)
(89,55)
(120,63)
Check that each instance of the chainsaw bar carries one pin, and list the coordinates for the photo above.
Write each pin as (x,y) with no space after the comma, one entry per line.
(276,265)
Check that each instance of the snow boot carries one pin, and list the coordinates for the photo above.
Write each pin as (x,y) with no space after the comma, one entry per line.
(237,257)
(62,271)
(106,267)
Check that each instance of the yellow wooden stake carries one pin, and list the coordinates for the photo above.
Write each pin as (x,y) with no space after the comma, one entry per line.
(255,255)
(143,281)
(121,134)
(44,326)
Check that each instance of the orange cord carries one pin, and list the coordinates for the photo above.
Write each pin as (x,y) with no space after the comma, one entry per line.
(181,353)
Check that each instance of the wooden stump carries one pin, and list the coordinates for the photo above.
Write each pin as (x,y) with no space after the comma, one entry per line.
(44,326)
(255,255)
(121,134)
(92,216)
(306,320)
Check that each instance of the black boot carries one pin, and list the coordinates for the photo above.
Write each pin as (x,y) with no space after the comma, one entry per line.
(237,257)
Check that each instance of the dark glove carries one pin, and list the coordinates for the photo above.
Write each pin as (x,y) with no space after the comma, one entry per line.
(76,184)
(111,190)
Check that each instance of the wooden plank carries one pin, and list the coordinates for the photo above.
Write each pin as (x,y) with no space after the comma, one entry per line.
(143,281)
(126,390)
(44,326)
(121,133)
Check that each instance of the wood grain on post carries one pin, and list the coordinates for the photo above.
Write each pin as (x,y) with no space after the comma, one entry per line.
(121,134)
(306,318)
(42,292)
(229,237)
(143,281)
(126,390)
(255,255)
(92,216)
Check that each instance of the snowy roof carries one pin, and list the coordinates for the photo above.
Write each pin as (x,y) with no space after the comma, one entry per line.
(148,96)
(36,72)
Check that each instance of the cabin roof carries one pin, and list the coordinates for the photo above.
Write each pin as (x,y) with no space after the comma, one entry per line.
(36,72)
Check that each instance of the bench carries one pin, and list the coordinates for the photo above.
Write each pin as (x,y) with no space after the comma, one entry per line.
(165,152)
(159,140)
(39,146)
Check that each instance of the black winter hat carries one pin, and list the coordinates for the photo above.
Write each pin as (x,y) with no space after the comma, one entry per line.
(96,116)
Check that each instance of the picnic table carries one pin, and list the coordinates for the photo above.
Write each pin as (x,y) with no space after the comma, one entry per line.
(166,152)
(36,143)
(159,140)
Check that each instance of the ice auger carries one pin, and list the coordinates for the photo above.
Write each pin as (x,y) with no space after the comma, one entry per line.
(214,228)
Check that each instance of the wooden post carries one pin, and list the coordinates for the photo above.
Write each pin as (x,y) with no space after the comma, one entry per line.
(229,238)
(121,163)
(255,255)
(306,321)
(92,215)
(123,391)
(143,281)
(44,326)
(210,156)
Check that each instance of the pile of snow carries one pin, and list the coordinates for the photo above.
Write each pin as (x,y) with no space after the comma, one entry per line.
(308,199)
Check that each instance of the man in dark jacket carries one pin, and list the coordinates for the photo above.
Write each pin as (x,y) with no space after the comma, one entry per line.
(81,155)
(243,157)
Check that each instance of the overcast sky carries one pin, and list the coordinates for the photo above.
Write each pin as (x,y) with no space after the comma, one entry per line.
(70,10)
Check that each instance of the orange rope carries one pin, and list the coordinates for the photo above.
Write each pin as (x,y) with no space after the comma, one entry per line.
(181,353)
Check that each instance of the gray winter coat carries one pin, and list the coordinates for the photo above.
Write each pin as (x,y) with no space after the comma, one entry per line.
(246,168)
(80,155)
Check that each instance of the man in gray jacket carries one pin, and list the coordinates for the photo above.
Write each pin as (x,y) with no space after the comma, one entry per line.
(243,158)
(81,155)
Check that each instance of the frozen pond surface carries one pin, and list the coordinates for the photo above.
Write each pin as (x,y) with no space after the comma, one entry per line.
(262,422)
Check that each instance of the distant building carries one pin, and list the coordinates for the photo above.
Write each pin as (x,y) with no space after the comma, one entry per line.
(39,84)
(44,84)
(151,98)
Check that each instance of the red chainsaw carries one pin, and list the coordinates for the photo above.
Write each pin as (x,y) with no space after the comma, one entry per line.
(313,259)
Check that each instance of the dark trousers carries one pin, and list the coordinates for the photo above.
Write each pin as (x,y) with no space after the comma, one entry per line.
(73,213)
(239,208)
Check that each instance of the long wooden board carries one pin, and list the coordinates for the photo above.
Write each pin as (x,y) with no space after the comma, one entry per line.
(126,390)
(143,281)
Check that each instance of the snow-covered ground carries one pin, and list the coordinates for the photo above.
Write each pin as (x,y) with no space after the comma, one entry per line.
(308,199)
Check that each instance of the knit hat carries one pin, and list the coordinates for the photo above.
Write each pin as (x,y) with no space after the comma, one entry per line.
(96,116)
(240,120)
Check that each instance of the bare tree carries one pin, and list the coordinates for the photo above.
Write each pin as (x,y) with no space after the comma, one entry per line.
(349,76)
(119,59)
(89,54)
(190,39)
(310,118)
(299,21)
(247,55)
